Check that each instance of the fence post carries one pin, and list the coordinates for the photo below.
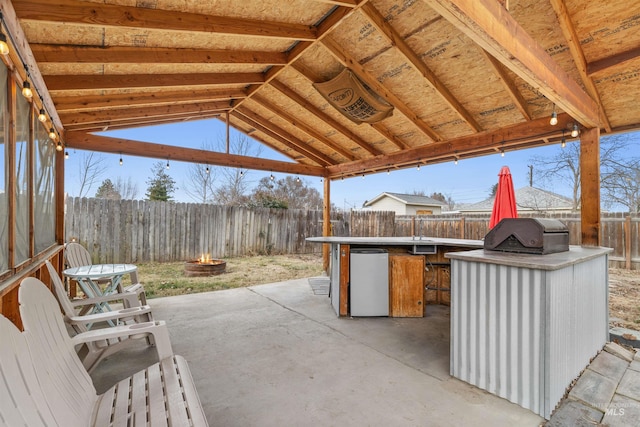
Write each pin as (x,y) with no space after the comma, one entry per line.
(627,242)
(462,227)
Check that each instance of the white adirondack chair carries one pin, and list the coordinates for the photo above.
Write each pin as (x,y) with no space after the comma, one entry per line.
(21,403)
(76,255)
(45,384)
(135,323)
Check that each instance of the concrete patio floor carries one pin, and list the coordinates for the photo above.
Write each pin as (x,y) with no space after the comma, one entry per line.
(277,355)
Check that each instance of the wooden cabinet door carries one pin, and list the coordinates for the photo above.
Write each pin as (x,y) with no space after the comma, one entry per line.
(406,285)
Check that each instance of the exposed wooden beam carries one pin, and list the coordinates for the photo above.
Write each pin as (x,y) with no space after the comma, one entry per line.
(142,55)
(573,40)
(122,81)
(100,102)
(100,14)
(612,61)
(509,84)
(85,141)
(284,137)
(396,40)
(346,3)
(526,134)
(325,117)
(294,121)
(491,26)
(348,61)
(113,115)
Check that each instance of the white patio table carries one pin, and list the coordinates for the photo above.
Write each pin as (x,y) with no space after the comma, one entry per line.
(90,276)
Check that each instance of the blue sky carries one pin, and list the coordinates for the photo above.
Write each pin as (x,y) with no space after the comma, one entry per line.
(467,182)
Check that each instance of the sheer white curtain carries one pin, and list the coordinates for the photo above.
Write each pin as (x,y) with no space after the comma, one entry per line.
(4,151)
(21,248)
(43,190)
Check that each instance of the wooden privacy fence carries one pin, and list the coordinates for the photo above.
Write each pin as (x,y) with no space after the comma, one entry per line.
(142,231)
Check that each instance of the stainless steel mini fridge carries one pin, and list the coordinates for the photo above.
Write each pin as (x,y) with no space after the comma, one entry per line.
(369,282)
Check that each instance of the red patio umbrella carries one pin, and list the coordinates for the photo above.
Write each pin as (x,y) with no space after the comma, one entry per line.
(504,205)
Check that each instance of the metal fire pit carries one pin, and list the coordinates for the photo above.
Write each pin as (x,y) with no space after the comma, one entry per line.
(197,268)
(529,236)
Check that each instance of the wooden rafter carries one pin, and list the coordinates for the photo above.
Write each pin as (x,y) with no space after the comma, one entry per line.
(141,55)
(113,115)
(105,101)
(71,11)
(348,61)
(489,25)
(325,117)
(295,121)
(509,84)
(284,137)
(117,81)
(573,40)
(140,122)
(612,61)
(396,40)
(85,141)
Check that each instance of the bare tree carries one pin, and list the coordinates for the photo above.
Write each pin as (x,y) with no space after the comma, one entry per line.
(565,167)
(218,184)
(620,177)
(290,192)
(201,178)
(91,168)
(127,189)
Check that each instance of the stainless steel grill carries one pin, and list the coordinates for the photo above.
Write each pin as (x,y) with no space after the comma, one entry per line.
(529,236)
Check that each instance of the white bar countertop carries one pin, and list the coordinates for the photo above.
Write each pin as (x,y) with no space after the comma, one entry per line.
(555,261)
(398,241)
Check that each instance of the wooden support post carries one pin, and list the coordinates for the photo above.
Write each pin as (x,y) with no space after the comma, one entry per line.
(627,242)
(590,186)
(326,224)
(462,225)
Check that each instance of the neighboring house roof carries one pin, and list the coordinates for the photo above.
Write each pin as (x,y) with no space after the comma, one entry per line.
(527,199)
(407,199)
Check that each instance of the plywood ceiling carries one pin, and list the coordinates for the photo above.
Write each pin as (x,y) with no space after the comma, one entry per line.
(465,77)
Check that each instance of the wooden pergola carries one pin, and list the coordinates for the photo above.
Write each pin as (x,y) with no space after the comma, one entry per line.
(463,78)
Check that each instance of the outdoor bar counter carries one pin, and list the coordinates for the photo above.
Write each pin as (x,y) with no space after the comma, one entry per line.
(523,326)
(418,271)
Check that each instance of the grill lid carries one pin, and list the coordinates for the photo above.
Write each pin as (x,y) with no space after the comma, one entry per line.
(528,235)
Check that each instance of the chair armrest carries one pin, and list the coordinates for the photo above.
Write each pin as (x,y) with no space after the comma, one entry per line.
(129,296)
(157,328)
(109,315)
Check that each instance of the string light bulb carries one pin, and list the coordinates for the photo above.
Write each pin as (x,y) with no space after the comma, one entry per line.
(554,117)
(26,90)
(66,155)
(242,173)
(52,134)
(168,166)
(42,117)
(271,177)
(4,47)
(574,131)
(455,162)
(297,180)
(120,160)
(502,153)
(59,146)
(418,167)
(207,170)
(563,141)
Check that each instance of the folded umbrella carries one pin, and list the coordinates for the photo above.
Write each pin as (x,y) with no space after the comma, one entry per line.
(504,205)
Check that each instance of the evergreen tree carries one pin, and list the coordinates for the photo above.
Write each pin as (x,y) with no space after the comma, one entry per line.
(107,191)
(160,186)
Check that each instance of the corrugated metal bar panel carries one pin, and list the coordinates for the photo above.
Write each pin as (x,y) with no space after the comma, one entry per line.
(578,323)
(497,326)
(525,334)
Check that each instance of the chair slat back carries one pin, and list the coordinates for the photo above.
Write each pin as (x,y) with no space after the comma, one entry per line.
(63,299)
(76,255)
(22,402)
(67,386)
